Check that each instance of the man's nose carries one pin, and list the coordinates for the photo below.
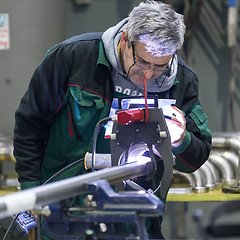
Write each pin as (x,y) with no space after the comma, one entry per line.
(149,73)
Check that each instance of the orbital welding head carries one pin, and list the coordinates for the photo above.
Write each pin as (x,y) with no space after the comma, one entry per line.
(153,134)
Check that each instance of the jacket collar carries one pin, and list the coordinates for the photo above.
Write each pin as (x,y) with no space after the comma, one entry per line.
(102,59)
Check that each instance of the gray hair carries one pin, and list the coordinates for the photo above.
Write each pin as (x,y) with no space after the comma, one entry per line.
(158,26)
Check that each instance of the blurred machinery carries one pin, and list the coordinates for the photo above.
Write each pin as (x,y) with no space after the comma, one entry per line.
(107,212)
(7,178)
(220,171)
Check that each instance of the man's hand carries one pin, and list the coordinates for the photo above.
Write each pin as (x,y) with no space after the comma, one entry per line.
(176,126)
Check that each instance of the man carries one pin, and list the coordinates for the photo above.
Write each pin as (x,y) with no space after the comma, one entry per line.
(74,86)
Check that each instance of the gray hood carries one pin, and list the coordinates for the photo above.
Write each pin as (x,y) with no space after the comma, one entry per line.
(122,84)
(111,38)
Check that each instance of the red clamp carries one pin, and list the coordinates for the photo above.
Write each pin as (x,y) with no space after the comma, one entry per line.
(130,116)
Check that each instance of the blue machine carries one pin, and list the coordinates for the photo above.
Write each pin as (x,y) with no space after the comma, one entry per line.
(118,214)
(111,216)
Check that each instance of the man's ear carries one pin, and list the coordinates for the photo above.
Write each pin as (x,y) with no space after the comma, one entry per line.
(123,41)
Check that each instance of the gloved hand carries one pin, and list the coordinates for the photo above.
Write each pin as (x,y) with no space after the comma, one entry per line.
(176,126)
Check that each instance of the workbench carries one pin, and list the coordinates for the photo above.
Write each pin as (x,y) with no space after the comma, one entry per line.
(213,195)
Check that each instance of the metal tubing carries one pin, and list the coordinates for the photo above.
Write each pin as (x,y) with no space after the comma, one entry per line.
(209,178)
(226,142)
(214,172)
(224,167)
(183,189)
(102,160)
(199,182)
(232,158)
(64,189)
(229,141)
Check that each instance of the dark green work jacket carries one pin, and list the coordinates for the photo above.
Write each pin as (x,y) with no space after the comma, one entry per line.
(70,91)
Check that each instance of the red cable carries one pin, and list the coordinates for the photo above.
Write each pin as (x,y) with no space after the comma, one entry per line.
(145,97)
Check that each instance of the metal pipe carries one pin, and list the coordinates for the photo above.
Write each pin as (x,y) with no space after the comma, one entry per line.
(63,189)
(209,179)
(238,173)
(229,141)
(102,160)
(224,168)
(214,172)
(183,189)
(199,182)
(231,157)
(190,179)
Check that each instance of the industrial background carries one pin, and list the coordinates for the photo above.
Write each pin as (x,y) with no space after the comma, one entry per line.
(211,49)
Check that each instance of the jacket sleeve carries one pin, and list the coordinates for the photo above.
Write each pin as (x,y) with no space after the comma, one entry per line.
(195,149)
(35,113)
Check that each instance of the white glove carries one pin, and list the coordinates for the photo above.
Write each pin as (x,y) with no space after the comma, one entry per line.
(176,126)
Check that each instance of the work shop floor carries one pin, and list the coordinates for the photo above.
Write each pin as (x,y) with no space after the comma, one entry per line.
(178,220)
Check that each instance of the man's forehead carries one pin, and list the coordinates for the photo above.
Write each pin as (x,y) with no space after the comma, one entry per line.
(147,56)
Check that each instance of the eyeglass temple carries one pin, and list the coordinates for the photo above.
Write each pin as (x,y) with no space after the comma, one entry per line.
(133,52)
(173,56)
